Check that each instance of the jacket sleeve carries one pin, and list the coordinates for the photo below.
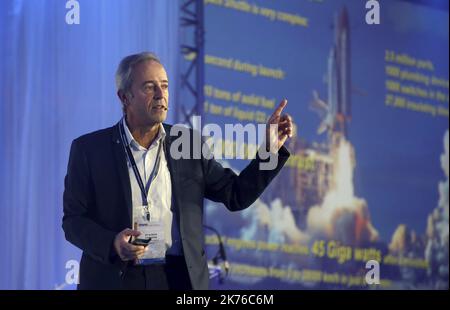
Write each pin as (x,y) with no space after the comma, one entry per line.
(238,192)
(78,201)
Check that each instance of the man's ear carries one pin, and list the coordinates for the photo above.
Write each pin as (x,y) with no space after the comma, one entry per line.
(122,97)
(123,100)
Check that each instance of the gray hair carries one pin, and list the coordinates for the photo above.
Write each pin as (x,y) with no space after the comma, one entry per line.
(123,73)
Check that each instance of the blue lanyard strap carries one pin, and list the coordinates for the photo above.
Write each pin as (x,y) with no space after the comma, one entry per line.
(153,174)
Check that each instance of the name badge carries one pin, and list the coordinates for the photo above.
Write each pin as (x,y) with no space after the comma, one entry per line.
(153,230)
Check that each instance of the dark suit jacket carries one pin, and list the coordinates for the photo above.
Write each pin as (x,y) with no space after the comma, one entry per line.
(97,202)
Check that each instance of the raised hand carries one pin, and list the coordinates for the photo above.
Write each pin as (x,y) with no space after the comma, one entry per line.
(277,135)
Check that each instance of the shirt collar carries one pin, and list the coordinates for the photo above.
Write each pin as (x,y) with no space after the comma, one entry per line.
(131,141)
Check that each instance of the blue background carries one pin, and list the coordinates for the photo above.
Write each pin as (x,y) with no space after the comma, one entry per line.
(57,82)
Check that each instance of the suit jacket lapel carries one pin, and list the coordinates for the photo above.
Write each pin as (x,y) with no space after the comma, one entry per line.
(173,169)
(121,160)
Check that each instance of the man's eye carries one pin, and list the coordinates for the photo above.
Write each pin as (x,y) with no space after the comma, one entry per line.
(148,88)
(164,86)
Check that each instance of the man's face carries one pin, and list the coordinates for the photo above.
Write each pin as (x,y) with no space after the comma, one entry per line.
(149,98)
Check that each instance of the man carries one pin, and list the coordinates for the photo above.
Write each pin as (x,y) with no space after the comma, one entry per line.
(123,178)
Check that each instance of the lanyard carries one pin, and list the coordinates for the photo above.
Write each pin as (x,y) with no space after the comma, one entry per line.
(153,174)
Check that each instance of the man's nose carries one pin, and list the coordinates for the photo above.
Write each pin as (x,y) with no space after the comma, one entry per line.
(158,93)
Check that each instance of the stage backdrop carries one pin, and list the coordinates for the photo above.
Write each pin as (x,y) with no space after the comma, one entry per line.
(368,176)
(57,83)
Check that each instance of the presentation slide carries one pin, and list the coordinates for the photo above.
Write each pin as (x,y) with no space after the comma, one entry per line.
(363,198)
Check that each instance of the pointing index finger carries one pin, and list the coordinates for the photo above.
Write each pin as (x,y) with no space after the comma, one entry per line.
(280,107)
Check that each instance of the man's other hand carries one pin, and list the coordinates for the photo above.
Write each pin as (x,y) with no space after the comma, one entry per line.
(126,250)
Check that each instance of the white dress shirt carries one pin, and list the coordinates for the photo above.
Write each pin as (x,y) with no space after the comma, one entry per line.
(159,195)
